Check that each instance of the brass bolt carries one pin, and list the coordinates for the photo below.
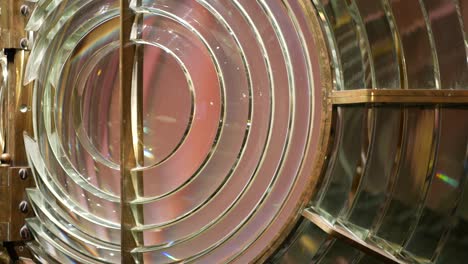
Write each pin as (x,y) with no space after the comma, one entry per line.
(24,207)
(24,232)
(23,173)
(24,43)
(24,10)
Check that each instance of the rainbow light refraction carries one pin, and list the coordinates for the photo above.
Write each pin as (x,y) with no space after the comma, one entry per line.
(447,179)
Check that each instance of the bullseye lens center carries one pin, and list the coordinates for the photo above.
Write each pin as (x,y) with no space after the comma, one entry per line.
(163,111)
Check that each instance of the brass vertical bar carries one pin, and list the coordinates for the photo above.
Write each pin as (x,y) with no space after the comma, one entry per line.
(18,108)
(399,96)
(3,100)
(127,151)
(18,120)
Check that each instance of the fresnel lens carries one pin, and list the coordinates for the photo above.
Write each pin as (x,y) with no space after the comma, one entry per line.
(240,131)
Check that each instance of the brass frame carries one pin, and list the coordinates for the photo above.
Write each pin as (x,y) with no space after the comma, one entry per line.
(127,152)
(18,97)
(18,121)
(399,96)
(15,175)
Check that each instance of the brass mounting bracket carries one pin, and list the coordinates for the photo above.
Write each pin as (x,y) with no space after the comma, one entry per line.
(13,204)
(15,98)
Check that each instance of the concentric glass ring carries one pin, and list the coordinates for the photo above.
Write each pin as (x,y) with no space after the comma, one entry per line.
(226,127)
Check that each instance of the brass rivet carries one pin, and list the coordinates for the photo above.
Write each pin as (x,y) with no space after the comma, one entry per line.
(23,173)
(24,43)
(24,232)
(24,9)
(24,207)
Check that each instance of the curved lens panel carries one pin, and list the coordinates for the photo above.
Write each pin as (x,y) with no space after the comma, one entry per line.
(75,149)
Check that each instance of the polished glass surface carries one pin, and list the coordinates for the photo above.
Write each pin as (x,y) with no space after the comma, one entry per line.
(396,44)
(73,64)
(395,193)
(413,178)
(347,48)
(384,142)
(445,193)
(416,43)
(339,252)
(247,127)
(409,193)
(449,37)
(378,29)
(345,163)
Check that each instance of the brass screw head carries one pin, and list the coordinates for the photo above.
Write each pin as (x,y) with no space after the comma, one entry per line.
(23,173)
(24,9)
(24,207)
(24,43)
(24,232)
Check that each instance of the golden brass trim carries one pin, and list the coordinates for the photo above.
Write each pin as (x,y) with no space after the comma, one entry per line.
(15,176)
(343,235)
(19,114)
(399,96)
(129,54)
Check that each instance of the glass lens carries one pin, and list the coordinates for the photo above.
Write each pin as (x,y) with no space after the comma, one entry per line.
(345,42)
(379,167)
(75,149)
(446,187)
(225,107)
(410,187)
(345,162)
(403,197)
(238,126)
